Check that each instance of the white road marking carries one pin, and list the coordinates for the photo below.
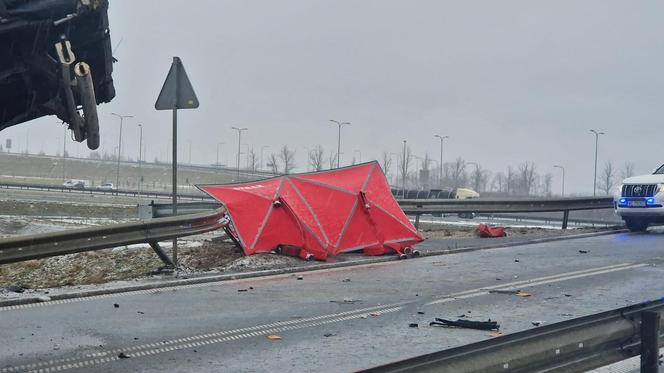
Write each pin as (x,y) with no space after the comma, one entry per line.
(537,281)
(210,338)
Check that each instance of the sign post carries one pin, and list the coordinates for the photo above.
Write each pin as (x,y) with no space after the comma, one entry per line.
(176,93)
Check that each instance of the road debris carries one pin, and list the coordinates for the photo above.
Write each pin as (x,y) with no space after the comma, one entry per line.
(486,231)
(345,280)
(375,313)
(122,355)
(523,294)
(44,298)
(328,335)
(504,291)
(516,260)
(467,324)
(537,322)
(420,312)
(413,325)
(346,301)
(15,288)
(494,334)
(583,251)
(300,277)
(242,290)
(115,305)
(274,337)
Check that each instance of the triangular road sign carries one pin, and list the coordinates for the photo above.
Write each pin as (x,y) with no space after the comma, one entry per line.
(177,92)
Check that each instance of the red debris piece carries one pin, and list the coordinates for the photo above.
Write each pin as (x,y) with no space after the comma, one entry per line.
(485,230)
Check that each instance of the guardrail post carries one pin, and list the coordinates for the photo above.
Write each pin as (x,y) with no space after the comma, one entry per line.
(565,218)
(161,254)
(417,221)
(650,342)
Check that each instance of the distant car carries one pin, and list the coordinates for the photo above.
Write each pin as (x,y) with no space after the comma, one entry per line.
(639,200)
(107,186)
(74,184)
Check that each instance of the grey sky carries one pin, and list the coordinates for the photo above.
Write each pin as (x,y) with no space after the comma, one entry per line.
(508,81)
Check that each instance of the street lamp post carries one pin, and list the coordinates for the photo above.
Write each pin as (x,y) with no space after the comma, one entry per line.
(140,158)
(562,168)
(117,173)
(64,155)
(597,134)
(338,139)
(440,166)
(239,138)
(404,170)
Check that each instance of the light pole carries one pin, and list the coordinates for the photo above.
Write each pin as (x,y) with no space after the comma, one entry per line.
(64,154)
(218,145)
(239,138)
(404,170)
(338,138)
(562,168)
(440,170)
(263,148)
(597,134)
(140,157)
(117,173)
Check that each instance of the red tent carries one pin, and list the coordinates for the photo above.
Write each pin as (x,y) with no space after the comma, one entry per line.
(319,213)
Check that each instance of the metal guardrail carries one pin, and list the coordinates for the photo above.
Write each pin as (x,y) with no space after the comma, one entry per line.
(121,192)
(575,345)
(16,249)
(419,207)
(479,205)
(206,219)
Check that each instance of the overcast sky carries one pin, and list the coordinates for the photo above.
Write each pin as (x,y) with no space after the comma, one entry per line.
(508,81)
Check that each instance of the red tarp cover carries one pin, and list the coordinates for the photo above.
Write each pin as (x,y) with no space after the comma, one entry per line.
(322,213)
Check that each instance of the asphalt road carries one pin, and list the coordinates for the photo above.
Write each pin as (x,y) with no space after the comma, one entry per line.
(332,320)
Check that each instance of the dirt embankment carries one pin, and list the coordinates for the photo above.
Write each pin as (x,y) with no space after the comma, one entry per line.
(102,266)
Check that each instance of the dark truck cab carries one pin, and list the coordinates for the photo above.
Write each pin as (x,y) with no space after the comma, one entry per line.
(55,59)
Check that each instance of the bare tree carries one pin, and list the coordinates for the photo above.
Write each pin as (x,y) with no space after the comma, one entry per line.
(426,162)
(316,158)
(404,165)
(459,172)
(607,179)
(546,184)
(332,161)
(627,171)
(252,160)
(287,156)
(527,177)
(386,164)
(499,182)
(273,163)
